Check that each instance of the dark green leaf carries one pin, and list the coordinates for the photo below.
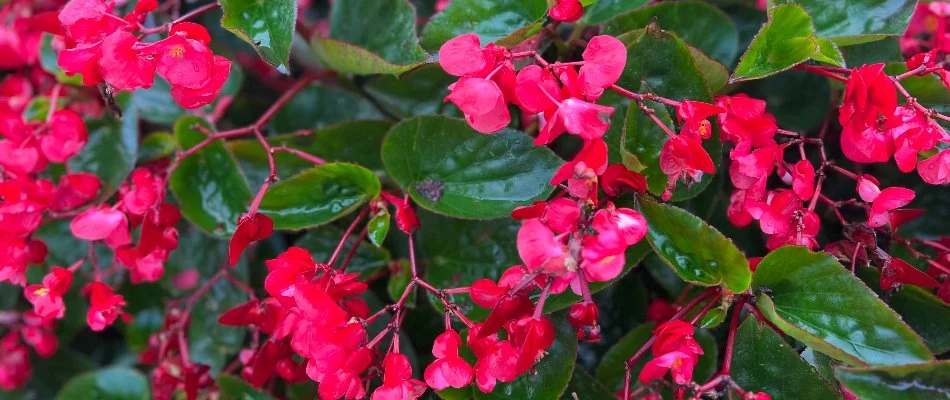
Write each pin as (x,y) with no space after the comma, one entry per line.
(110,152)
(209,342)
(604,10)
(715,74)
(909,382)
(156,105)
(696,251)
(268,26)
(355,142)
(886,50)
(378,227)
(157,146)
(448,167)
(585,386)
(318,106)
(208,184)
(793,108)
(400,274)
(116,383)
(371,37)
(815,300)
(319,195)
(858,21)
(697,23)
(763,362)
(664,63)
(420,92)
(823,364)
(783,42)
(233,388)
(610,372)
(367,260)
(921,310)
(492,20)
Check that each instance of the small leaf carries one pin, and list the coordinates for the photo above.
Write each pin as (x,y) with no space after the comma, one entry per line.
(208,184)
(492,20)
(697,23)
(713,318)
(400,274)
(268,26)
(763,362)
(828,52)
(319,195)
(156,146)
(910,382)
(115,383)
(233,388)
(696,251)
(449,168)
(815,300)
(858,21)
(784,41)
(371,37)
(378,228)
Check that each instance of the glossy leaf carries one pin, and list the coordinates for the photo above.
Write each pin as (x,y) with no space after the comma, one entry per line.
(810,297)
(695,22)
(211,191)
(420,92)
(763,362)
(610,372)
(696,251)
(233,388)
(110,152)
(371,37)
(319,195)
(492,20)
(604,10)
(783,42)
(157,146)
(828,52)
(367,260)
(268,26)
(919,308)
(642,141)
(911,382)
(116,383)
(715,74)
(320,106)
(449,168)
(858,21)
(378,227)
(356,142)
(662,62)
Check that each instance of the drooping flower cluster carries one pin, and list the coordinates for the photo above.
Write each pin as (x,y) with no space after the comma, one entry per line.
(101,47)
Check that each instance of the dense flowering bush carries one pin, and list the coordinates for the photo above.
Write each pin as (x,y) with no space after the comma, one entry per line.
(592,199)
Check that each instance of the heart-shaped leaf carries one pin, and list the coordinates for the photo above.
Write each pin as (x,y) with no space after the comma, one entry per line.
(266,25)
(784,41)
(508,22)
(763,362)
(910,382)
(208,184)
(319,195)
(448,167)
(371,37)
(813,299)
(695,250)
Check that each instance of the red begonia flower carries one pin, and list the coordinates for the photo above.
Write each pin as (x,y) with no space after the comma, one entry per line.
(482,102)
(562,215)
(567,11)
(104,306)
(123,64)
(604,59)
(535,210)
(97,223)
(397,380)
(464,56)
(88,21)
(13,260)
(629,223)
(194,98)
(745,119)
(533,337)
(75,190)
(346,382)
(583,317)
(869,94)
(617,179)
(406,218)
(47,299)
(486,293)
(449,369)
(936,169)
(251,228)
(681,365)
(683,157)
(67,136)
(896,271)
(803,179)
(539,248)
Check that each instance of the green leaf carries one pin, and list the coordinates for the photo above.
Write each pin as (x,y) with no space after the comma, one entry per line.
(696,251)
(420,92)
(919,308)
(813,299)
(208,184)
(156,104)
(881,51)
(783,42)
(319,195)
(585,386)
(715,74)
(662,62)
(858,21)
(233,388)
(367,260)
(763,362)
(909,382)
(110,152)
(356,142)
(604,10)
(116,383)
(157,146)
(642,141)
(828,52)
(319,106)
(378,227)
(448,167)
(793,108)
(266,25)
(610,372)
(400,274)
(506,21)
(695,22)
(371,37)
